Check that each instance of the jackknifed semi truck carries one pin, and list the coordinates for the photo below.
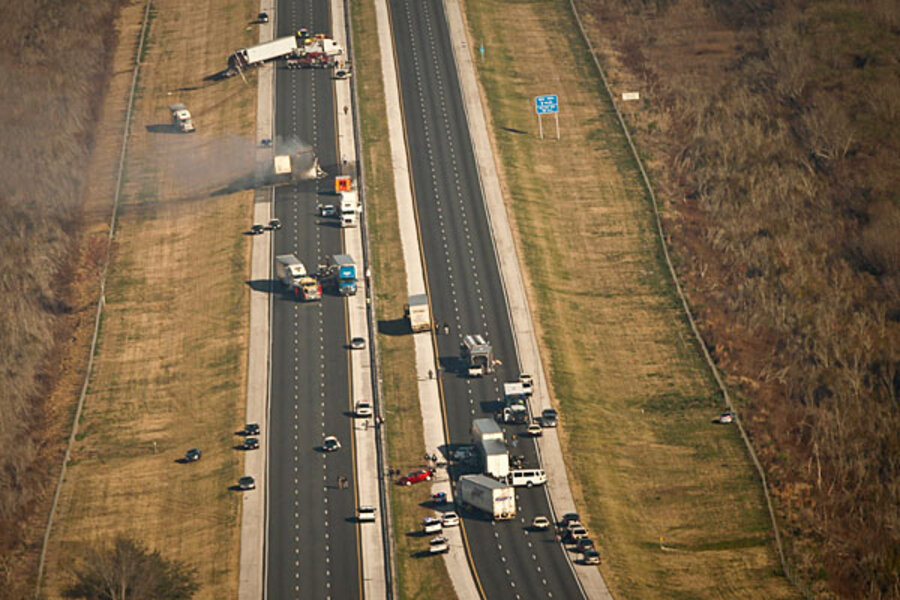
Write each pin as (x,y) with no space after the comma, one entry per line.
(289,269)
(494,497)
(298,51)
(254,56)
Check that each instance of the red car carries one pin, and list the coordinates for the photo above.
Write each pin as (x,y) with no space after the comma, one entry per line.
(416,477)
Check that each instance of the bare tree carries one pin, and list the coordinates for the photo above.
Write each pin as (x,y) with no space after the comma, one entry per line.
(128,571)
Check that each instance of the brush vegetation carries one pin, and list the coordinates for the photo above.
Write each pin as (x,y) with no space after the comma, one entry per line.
(55,61)
(771,129)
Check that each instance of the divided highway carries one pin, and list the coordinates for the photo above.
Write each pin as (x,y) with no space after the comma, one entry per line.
(312,548)
(466,293)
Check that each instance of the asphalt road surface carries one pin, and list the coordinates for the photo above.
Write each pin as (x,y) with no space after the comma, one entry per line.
(466,293)
(312,541)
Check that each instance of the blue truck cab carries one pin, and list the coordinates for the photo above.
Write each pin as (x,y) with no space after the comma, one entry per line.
(346,274)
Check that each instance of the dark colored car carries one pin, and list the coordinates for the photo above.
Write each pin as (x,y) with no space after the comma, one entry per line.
(590,557)
(262,17)
(584,544)
(327,210)
(192,455)
(251,429)
(275,224)
(250,443)
(569,518)
(257,229)
(416,477)
(549,417)
(246,483)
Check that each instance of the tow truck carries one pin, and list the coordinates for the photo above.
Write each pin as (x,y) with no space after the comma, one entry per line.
(308,289)
(317,52)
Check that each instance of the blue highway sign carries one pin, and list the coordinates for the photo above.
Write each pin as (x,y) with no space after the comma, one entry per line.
(546,105)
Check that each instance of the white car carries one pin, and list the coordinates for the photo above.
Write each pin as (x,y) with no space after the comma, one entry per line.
(431,525)
(331,444)
(527,383)
(540,523)
(534,429)
(363,409)
(449,519)
(438,545)
(365,514)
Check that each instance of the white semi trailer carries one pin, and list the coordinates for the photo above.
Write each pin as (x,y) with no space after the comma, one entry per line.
(496,498)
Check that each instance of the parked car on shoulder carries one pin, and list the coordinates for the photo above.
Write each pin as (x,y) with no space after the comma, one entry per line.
(357,343)
(262,17)
(250,443)
(257,229)
(590,557)
(431,524)
(584,544)
(576,533)
(449,519)
(569,518)
(438,545)
(549,417)
(192,455)
(246,483)
(416,477)
(251,429)
(363,409)
(365,514)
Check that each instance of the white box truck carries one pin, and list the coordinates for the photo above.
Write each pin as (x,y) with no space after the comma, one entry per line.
(349,209)
(489,495)
(289,270)
(417,313)
(495,458)
(486,429)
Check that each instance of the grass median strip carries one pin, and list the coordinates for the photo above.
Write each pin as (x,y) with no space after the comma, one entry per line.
(670,497)
(403,418)
(171,363)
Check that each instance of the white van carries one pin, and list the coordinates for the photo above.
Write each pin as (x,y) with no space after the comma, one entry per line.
(527,477)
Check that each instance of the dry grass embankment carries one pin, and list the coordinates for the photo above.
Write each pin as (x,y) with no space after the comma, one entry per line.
(170,369)
(773,133)
(671,499)
(417,577)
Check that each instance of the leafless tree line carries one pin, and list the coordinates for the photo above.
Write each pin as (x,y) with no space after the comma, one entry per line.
(55,60)
(783,173)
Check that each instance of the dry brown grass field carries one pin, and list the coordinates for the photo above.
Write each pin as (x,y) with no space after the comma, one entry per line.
(671,498)
(400,395)
(170,367)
